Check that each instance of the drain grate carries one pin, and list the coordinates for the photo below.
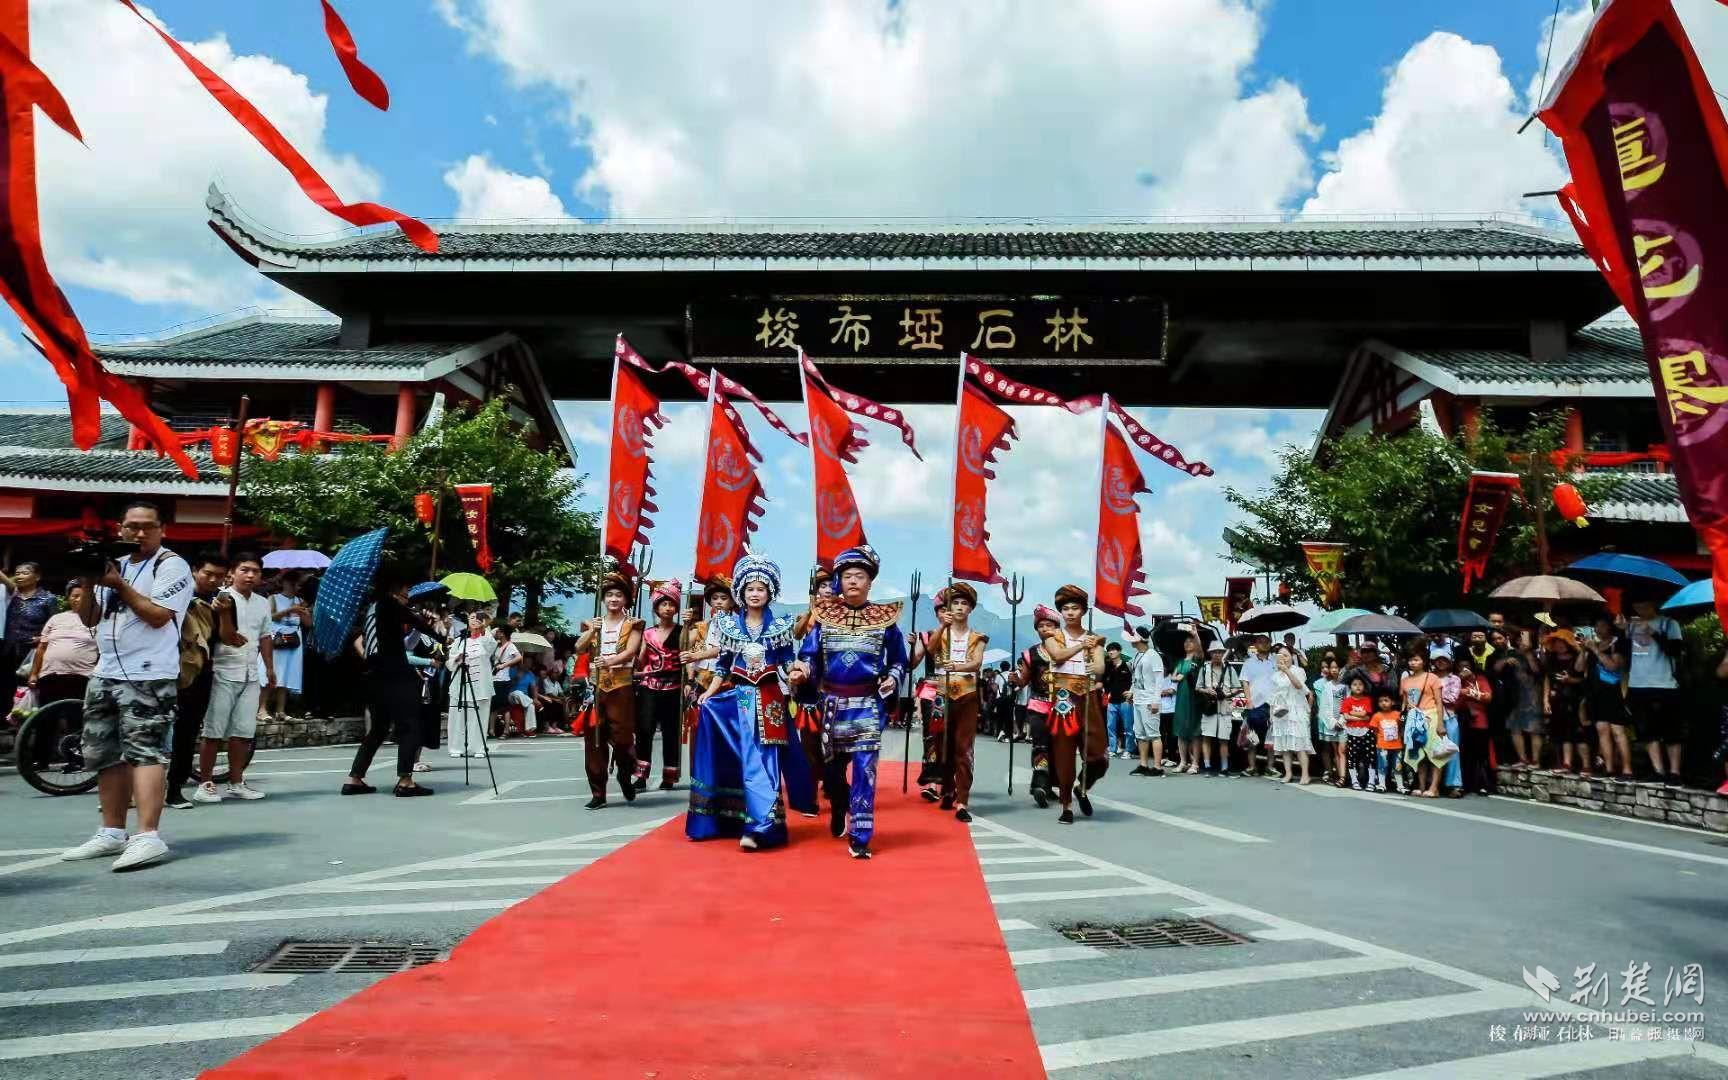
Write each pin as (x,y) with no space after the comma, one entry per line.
(349,957)
(1159,934)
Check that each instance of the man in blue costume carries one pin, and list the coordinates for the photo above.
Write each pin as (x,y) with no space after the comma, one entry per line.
(855,656)
(744,740)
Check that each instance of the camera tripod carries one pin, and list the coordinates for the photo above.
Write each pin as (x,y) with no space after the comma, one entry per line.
(465,696)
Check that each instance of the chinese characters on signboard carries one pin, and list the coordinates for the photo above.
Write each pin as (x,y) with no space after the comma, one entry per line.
(929,327)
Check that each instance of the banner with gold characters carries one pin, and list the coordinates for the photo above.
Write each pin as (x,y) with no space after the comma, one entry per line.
(1326,565)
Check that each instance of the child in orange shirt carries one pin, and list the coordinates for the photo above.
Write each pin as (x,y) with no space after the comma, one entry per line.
(1389,740)
(1357,709)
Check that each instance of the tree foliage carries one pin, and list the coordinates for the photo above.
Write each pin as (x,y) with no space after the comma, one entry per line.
(1397,502)
(537,534)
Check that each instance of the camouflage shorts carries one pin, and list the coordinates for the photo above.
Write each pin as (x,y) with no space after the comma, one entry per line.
(128,722)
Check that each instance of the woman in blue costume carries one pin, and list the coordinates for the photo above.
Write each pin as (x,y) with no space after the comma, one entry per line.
(744,741)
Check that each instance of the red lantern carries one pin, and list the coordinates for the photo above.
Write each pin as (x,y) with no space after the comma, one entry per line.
(224,445)
(1570,504)
(423,508)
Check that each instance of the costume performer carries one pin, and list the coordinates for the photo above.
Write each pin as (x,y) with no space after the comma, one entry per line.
(658,684)
(1076,702)
(744,741)
(1032,672)
(855,656)
(612,640)
(958,651)
(929,703)
(806,702)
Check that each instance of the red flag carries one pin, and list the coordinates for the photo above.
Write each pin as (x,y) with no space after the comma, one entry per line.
(635,415)
(363,79)
(1485,503)
(728,388)
(1117,574)
(859,405)
(1018,393)
(476,507)
(981,432)
(315,186)
(731,495)
(1238,598)
(1648,148)
(834,441)
(25,281)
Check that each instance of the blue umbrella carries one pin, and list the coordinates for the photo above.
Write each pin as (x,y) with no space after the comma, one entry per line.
(1450,619)
(347,581)
(427,588)
(1613,568)
(1699,595)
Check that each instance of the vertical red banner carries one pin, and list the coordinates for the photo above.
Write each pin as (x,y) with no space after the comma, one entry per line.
(981,431)
(635,414)
(476,508)
(1326,566)
(1117,572)
(1485,503)
(1648,149)
(834,441)
(731,496)
(1238,597)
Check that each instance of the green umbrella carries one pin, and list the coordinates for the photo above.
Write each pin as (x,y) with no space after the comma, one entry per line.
(469,587)
(1325,623)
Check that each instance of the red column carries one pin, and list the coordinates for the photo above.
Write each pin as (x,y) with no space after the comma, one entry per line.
(324,411)
(1574,431)
(404,414)
(1470,418)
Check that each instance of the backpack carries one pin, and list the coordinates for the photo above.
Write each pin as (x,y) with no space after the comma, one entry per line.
(196,631)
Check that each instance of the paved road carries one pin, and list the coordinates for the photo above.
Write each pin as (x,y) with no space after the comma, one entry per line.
(1384,934)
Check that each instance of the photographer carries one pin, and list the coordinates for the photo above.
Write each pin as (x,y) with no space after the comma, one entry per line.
(129,706)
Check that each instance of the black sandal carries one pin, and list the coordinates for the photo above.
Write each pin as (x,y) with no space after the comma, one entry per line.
(358,789)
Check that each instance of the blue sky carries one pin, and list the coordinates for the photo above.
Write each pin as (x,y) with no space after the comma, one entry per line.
(507,109)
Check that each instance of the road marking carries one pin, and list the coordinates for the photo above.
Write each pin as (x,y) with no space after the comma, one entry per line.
(254,775)
(1049,875)
(78,1042)
(1082,1053)
(117,952)
(1073,894)
(31,864)
(999,847)
(1205,980)
(618,834)
(1214,831)
(1004,860)
(30,851)
(1025,957)
(487,798)
(416,884)
(524,864)
(1283,933)
(346,911)
(64,995)
(1015,924)
(1539,1061)
(1692,830)
(1427,807)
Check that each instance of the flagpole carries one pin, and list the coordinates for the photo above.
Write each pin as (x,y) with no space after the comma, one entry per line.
(606,492)
(810,424)
(697,583)
(954,478)
(1097,532)
(1103,444)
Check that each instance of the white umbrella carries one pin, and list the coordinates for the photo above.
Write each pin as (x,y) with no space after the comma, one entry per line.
(296,559)
(995,656)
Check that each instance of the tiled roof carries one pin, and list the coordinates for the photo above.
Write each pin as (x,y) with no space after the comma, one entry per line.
(1643,496)
(1300,238)
(280,344)
(116,470)
(1596,355)
(53,431)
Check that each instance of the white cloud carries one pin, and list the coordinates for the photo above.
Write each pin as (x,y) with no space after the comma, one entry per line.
(486,192)
(1446,138)
(868,107)
(1703,20)
(127,214)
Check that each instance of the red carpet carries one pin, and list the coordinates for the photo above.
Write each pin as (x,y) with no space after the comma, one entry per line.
(673,959)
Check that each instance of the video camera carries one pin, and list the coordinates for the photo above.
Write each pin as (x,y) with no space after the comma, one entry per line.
(90,557)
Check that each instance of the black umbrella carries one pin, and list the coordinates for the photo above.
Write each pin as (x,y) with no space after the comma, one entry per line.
(1271,618)
(1452,620)
(1383,625)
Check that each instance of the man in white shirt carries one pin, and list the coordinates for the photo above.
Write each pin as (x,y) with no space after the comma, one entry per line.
(1257,675)
(1652,691)
(129,705)
(1145,692)
(245,619)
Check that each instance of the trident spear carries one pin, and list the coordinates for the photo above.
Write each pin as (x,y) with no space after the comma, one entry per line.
(1013,591)
(906,705)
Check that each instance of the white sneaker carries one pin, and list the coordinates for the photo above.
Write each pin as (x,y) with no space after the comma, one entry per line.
(241,791)
(97,847)
(206,793)
(141,850)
